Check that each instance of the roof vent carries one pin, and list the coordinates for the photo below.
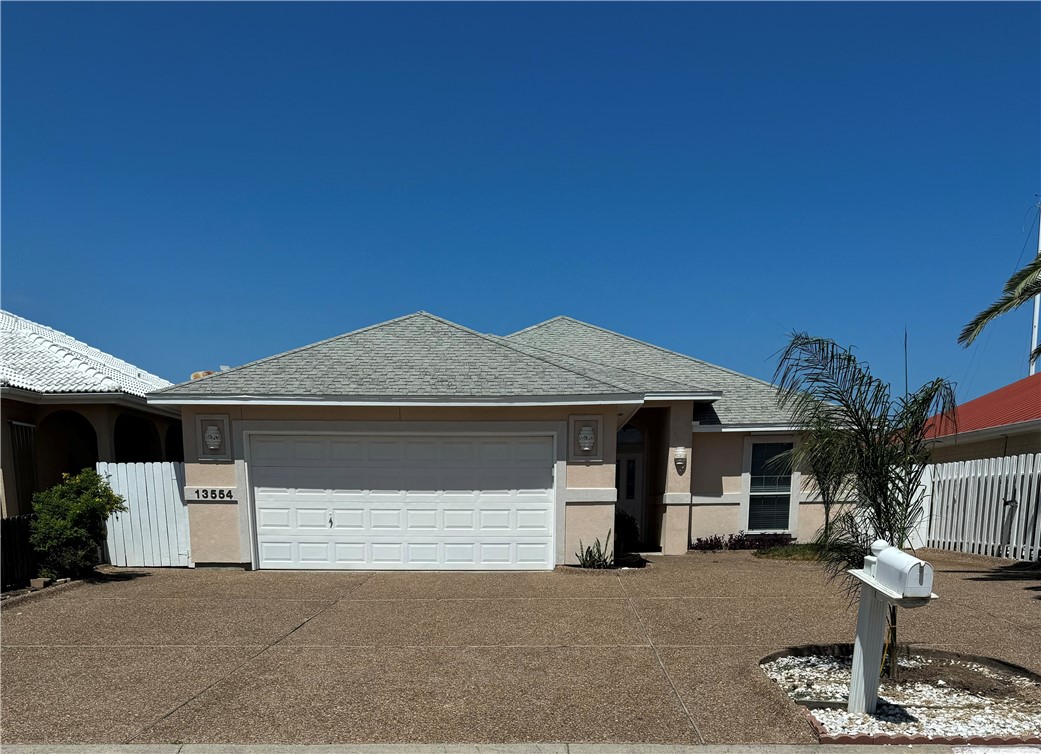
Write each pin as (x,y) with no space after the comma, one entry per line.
(224,367)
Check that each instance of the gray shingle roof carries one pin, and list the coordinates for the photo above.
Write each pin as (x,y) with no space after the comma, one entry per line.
(422,356)
(745,400)
(43,360)
(417,356)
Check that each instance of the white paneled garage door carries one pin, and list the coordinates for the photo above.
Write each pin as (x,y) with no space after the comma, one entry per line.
(403,502)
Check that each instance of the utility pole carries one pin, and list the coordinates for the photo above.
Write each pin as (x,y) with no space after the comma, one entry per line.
(1037,302)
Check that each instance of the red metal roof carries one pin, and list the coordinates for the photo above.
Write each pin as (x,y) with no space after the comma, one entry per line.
(1018,402)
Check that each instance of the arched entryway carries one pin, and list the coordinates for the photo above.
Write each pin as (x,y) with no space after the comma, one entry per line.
(136,440)
(174,443)
(66,444)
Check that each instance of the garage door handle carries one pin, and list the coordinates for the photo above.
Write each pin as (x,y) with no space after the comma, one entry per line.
(330,522)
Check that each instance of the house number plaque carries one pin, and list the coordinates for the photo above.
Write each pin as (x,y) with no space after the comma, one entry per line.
(210,494)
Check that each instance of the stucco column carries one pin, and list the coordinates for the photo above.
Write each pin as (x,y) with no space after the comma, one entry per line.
(675,528)
(590,496)
(104,423)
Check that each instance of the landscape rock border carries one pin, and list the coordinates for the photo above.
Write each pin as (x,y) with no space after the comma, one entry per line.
(32,594)
(846,650)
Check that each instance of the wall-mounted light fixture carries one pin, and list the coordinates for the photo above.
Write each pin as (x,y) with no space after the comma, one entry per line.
(213,437)
(680,459)
(586,438)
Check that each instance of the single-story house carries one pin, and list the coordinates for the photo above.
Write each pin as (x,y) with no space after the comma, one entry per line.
(1004,422)
(66,406)
(418,443)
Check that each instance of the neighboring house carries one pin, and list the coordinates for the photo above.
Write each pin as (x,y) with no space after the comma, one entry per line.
(66,405)
(1005,422)
(420,444)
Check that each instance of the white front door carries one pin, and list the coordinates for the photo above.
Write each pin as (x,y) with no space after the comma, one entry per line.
(403,502)
(630,487)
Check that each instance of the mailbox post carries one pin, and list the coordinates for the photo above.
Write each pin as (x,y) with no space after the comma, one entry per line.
(889,577)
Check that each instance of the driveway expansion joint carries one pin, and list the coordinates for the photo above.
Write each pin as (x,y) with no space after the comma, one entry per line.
(661,663)
(229,674)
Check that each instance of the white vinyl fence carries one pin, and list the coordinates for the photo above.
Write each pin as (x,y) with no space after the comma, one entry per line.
(990,506)
(154,531)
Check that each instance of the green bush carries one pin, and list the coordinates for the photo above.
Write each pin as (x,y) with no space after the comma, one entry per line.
(596,555)
(69,524)
(803,551)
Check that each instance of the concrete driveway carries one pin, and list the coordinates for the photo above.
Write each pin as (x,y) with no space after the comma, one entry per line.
(666,654)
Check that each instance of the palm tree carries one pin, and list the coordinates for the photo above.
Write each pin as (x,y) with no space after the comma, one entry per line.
(1020,288)
(867,448)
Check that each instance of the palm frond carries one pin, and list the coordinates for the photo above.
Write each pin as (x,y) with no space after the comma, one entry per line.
(1019,289)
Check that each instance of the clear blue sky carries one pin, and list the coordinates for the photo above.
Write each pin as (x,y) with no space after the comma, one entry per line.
(194,184)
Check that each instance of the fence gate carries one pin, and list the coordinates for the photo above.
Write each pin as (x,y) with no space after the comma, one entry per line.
(154,531)
(989,506)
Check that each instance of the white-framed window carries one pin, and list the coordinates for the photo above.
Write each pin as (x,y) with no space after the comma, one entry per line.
(770,500)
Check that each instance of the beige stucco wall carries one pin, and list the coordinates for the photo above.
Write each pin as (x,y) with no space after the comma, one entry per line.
(716,459)
(215,533)
(707,520)
(811,520)
(1013,445)
(675,536)
(583,524)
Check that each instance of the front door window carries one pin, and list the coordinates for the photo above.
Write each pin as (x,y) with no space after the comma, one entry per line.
(630,486)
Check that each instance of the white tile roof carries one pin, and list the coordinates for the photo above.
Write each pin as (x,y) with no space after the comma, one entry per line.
(38,358)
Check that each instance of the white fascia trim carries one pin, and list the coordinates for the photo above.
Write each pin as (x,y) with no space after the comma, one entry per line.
(744,428)
(121,399)
(1019,428)
(261,400)
(700,397)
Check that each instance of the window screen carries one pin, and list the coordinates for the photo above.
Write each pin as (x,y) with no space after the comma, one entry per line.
(770,487)
(768,512)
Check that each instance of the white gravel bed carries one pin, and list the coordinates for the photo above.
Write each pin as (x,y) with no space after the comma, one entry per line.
(931,708)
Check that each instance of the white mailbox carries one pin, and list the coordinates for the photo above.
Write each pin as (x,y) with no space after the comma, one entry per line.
(889,577)
(897,574)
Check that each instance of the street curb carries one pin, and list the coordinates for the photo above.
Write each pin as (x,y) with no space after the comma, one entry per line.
(528,748)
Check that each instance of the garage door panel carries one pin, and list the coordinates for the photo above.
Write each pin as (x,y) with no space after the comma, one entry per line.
(348,518)
(386,519)
(343,450)
(532,553)
(311,518)
(494,553)
(403,502)
(279,554)
(386,552)
(349,553)
(534,519)
(459,451)
(459,519)
(383,450)
(420,519)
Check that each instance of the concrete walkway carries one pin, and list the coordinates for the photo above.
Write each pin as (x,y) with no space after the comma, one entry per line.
(663,655)
(501,749)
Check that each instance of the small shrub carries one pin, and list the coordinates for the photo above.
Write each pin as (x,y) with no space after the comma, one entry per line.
(596,555)
(627,532)
(711,543)
(740,541)
(69,524)
(804,551)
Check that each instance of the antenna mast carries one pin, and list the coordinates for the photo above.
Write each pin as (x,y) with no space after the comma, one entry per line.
(1037,303)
